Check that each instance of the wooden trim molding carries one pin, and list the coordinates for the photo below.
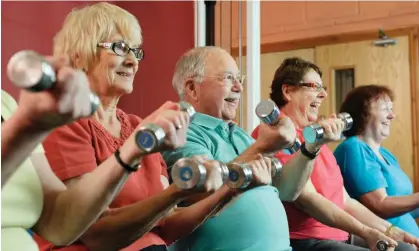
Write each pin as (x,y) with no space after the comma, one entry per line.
(223,25)
(324,40)
(414,81)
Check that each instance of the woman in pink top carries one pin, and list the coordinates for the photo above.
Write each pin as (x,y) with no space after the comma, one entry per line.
(105,40)
(323,215)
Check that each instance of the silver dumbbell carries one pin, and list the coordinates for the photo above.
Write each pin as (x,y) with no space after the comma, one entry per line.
(29,70)
(382,245)
(188,108)
(314,133)
(150,137)
(240,175)
(189,173)
(268,113)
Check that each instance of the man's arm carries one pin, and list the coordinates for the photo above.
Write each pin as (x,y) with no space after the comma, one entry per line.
(206,204)
(295,173)
(185,220)
(191,217)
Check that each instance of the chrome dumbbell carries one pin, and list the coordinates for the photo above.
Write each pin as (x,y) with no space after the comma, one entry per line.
(240,175)
(189,173)
(29,70)
(314,133)
(150,137)
(188,108)
(268,113)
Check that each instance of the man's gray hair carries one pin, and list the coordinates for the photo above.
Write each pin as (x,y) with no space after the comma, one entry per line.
(191,65)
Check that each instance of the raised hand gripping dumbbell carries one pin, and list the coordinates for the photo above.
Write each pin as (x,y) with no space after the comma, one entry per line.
(29,70)
(240,175)
(314,133)
(190,173)
(268,113)
(150,137)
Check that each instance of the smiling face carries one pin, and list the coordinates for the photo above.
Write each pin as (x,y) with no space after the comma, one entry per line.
(218,94)
(381,115)
(114,74)
(304,101)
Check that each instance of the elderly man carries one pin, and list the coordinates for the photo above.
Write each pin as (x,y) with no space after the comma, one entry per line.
(208,78)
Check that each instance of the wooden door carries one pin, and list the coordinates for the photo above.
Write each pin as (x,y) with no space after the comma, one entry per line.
(387,66)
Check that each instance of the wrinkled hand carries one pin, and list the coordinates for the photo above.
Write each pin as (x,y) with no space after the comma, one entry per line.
(333,127)
(371,237)
(67,101)
(173,121)
(214,179)
(274,138)
(400,235)
(261,170)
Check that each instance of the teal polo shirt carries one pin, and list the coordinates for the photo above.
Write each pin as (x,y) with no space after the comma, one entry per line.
(255,220)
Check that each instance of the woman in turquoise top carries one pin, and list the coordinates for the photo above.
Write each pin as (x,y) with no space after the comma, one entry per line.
(371,173)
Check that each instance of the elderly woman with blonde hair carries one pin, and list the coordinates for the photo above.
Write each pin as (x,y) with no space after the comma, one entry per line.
(104,41)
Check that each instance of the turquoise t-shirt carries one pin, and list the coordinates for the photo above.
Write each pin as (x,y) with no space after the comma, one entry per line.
(255,220)
(364,172)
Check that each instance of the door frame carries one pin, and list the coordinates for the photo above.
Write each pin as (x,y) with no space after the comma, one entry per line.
(413,35)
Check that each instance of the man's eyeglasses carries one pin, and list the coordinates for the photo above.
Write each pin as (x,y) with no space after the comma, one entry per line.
(315,86)
(122,49)
(229,78)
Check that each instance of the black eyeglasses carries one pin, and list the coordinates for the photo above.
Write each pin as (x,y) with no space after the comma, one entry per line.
(122,49)
(316,86)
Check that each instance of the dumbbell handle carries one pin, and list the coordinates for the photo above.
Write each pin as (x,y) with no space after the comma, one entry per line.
(314,133)
(189,173)
(29,70)
(268,113)
(240,175)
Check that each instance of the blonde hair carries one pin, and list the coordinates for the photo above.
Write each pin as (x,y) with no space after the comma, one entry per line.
(85,27)
(191,65)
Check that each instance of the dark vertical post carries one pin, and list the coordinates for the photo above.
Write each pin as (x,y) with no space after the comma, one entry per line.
(210,22)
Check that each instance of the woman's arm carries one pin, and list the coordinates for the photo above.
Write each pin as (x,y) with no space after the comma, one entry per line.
(119,228)
(68,212)
(389,206)
(18,140)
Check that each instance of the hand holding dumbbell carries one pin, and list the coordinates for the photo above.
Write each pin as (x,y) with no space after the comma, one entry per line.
(53,93)
(334,126)
(199,173)
(268,112)
(382,245)
(241,175)
(151,137)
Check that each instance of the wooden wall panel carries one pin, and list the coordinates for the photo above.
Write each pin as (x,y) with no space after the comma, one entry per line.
(376,65)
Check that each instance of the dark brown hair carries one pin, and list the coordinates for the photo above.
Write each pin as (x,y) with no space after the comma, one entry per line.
(291,72)
(358,102)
